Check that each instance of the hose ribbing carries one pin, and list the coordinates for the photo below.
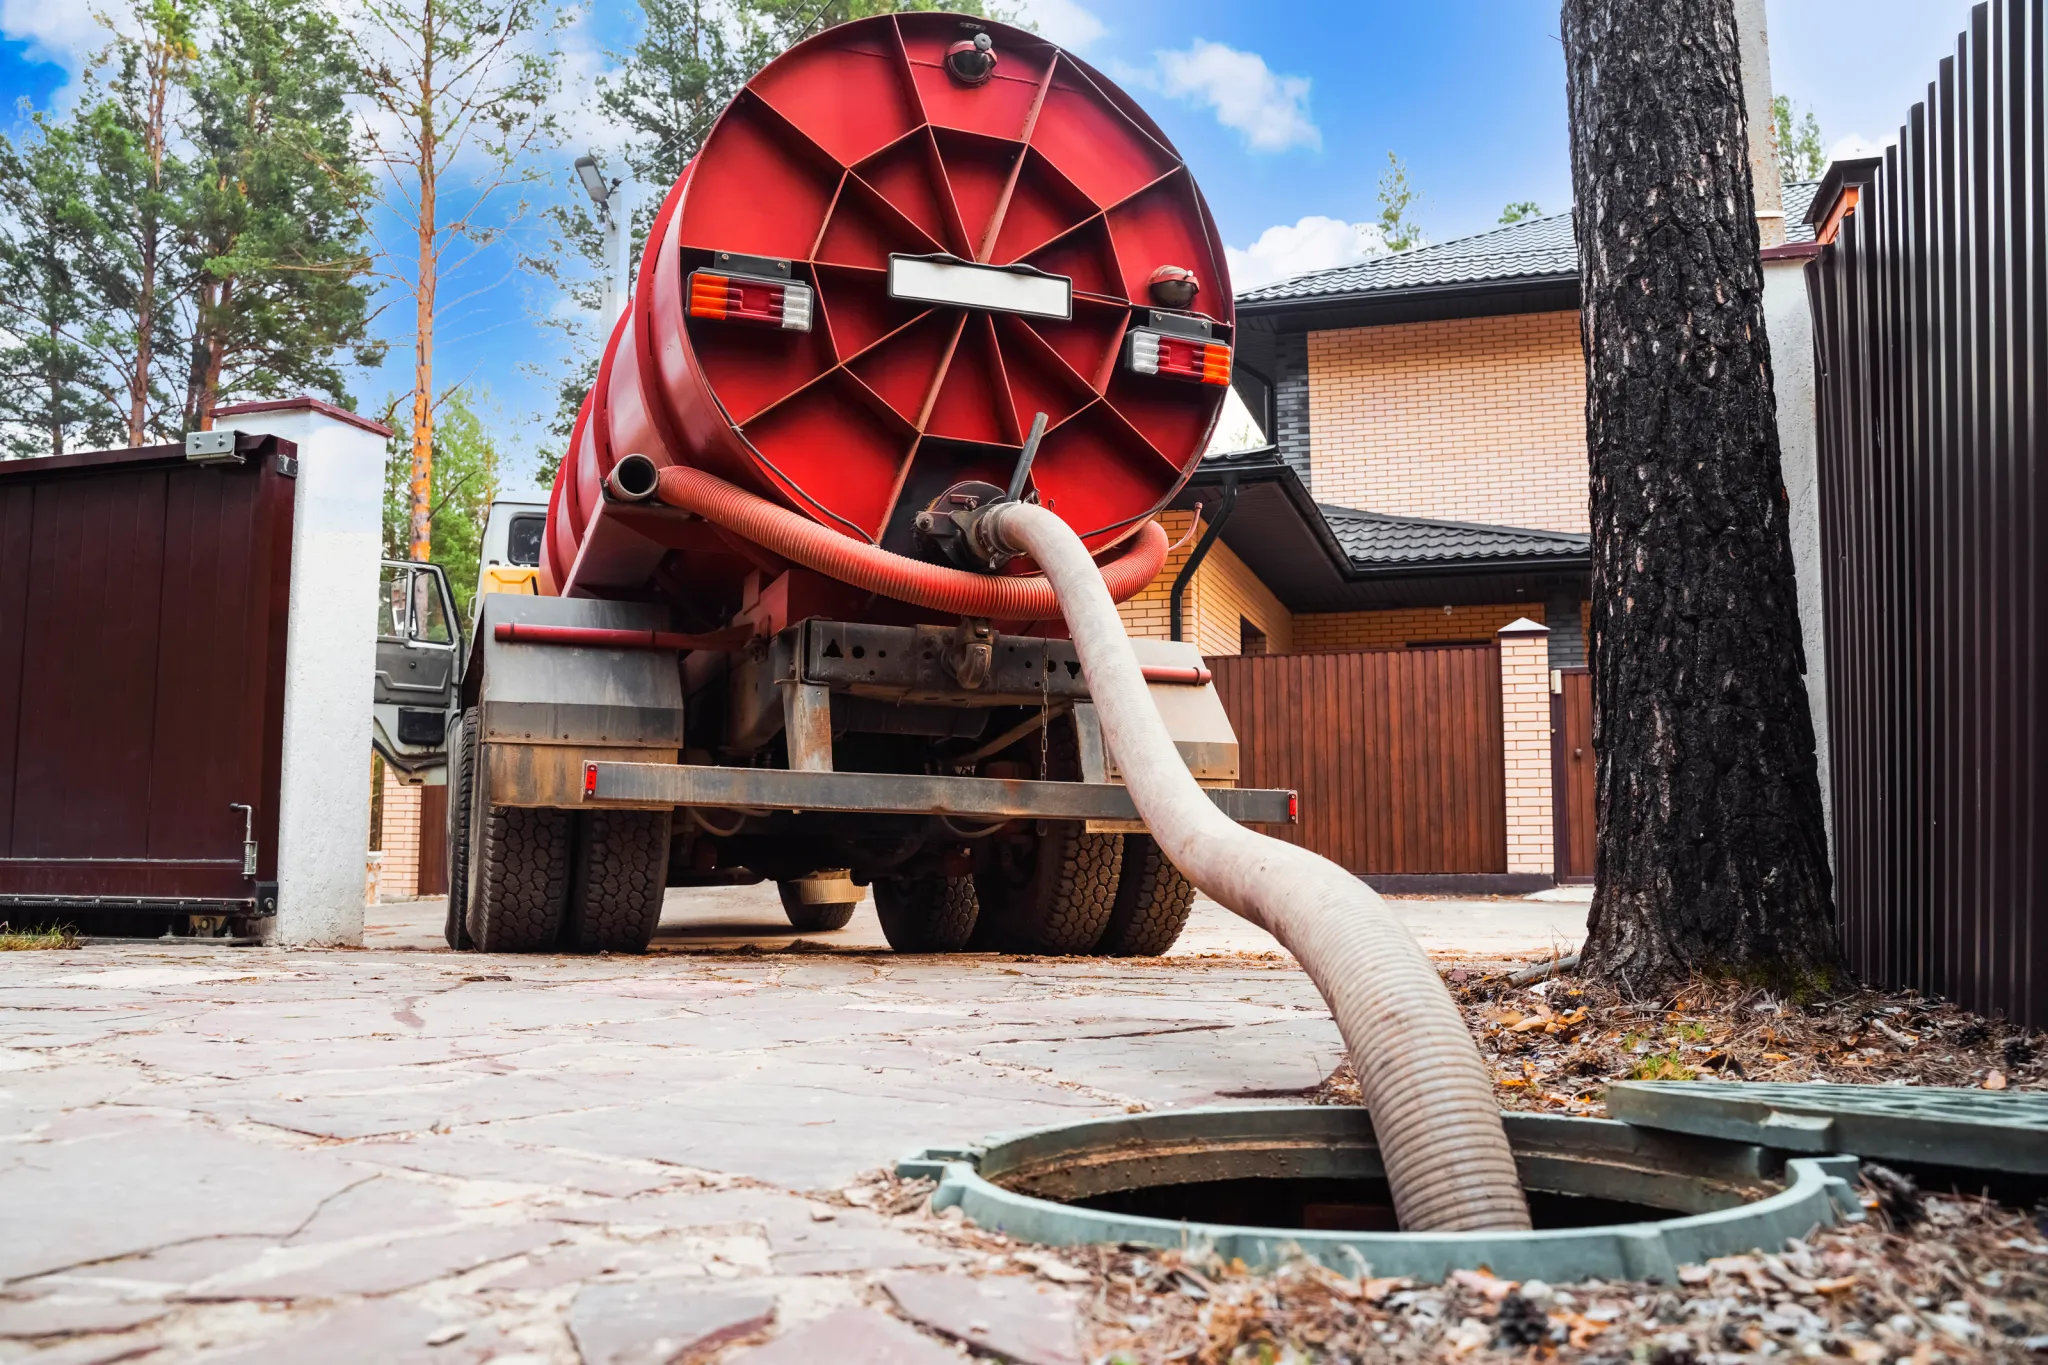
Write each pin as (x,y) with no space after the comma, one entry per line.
(799,539)
(1431,1100)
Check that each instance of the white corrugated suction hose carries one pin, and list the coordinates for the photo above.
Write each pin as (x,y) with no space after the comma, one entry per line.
(1431,1100)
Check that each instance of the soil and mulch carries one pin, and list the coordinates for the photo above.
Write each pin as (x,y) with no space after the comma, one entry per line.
(1929,1276)
(1556,1043)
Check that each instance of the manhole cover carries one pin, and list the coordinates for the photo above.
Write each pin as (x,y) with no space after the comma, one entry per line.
(1269,1182)
(1980,1129)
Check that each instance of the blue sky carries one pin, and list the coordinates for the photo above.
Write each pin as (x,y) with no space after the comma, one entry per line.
(1285,111)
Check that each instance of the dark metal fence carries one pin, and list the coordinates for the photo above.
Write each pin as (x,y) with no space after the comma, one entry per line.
(1931,325)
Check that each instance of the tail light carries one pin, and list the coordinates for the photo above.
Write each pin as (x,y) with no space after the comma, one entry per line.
(1178,357)
(748,298)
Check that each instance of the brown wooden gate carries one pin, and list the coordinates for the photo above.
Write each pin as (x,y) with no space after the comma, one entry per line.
(1571,773)
(1397,754)
(143,604)
(434,841)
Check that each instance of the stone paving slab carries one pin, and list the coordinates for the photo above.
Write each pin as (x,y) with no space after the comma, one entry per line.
(250,1154)
(1007,1316)
(652,1322)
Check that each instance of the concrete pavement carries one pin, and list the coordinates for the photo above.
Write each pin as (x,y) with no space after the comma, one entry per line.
(403,1153)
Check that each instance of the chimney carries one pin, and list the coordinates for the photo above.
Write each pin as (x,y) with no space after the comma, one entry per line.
(1755,44)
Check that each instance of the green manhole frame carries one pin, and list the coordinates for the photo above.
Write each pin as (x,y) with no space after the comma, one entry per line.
(1594,1157)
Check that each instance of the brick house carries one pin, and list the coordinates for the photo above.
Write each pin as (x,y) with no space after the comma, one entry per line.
(1424,485)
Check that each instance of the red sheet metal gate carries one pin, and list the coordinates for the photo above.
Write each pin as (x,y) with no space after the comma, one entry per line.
(1397,754)
(143,605)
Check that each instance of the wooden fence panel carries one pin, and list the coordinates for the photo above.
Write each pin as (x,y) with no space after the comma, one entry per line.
(1397,754)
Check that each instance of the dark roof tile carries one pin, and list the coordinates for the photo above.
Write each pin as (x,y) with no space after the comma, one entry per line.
(1377,540)
(1535,248)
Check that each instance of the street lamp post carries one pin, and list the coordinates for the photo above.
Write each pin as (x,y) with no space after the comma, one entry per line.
(615,214)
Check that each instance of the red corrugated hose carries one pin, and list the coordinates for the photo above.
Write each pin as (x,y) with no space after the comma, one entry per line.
(935,586)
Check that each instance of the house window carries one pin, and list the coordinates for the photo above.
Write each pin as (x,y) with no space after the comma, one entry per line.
(1250,639)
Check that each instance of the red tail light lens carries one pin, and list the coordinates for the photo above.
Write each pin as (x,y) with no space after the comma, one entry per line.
(743,298)
(1204,362)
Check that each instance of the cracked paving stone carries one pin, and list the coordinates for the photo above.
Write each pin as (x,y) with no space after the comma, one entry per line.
(380,1204)
(385,1332)
(65,1314)
(652,1322)
(1009,1316)
(478,1158)
(100,1350)
(853,1239)
(851,1336)
(319,1272)
(177,1181)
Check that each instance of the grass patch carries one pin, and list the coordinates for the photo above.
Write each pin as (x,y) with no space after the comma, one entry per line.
(14,940)
(1661,1066)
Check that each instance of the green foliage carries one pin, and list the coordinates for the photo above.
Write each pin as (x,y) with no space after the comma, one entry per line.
(1517,211)
(274,214)
(1801,154)
(466,465)
(1398,197)
(48,400)
(188,233)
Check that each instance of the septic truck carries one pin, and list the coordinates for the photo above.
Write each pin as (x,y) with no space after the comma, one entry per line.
(923,267)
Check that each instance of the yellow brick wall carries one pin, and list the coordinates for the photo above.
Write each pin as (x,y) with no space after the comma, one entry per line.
(1525,735)
(1474,419)
(1325,632)
(1222,592)
(401,876)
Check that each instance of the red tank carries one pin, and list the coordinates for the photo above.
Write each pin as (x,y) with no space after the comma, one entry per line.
(902,240)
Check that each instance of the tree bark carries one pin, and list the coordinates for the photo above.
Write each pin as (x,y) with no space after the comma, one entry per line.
(155,135)
(421,486)
(1712,856)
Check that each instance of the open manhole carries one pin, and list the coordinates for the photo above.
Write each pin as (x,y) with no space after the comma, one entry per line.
(1265,1183)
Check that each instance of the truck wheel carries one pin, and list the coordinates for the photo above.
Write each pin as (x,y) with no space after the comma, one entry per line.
(615,888)
(461,792)
(932,914)
(522,879)
(815,916)
(1054,898)
(1152,902)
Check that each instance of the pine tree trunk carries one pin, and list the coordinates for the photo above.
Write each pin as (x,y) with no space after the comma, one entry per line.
(421,486)
(1712,855)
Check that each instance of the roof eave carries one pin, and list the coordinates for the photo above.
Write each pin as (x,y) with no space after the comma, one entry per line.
(1557,292)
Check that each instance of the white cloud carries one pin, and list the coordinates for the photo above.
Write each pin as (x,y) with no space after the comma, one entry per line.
(1853,147)
(1270,110)
(64,34)
(1062,21)
(1314,243)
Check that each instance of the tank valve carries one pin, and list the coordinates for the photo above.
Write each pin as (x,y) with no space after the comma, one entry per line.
(1174,286)
(971,61)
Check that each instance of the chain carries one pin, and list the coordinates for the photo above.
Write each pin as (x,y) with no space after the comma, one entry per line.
(1044,721)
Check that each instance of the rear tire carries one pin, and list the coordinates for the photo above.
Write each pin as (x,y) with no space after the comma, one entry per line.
(461,797)
(1153,899)
(1057,898)
(615,889)
(815,916)
(931,914)
(522,880)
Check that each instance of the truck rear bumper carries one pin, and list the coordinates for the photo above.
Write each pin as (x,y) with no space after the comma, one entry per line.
(983,798)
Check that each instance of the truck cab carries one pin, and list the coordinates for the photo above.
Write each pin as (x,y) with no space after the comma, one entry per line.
(509,560)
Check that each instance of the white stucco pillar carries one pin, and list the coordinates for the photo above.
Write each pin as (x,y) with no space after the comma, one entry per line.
(1788,320)
(323,822)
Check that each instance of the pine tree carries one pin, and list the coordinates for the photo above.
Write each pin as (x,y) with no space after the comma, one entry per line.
(46,370)
(274,222)
(448,80)
(1711,855)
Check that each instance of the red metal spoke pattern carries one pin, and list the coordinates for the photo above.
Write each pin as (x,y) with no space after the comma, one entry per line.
(859,145)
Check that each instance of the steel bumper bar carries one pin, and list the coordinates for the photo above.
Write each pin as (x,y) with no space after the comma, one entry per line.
(986,798)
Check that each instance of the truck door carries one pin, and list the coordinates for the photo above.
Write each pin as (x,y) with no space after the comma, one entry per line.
(419,664)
